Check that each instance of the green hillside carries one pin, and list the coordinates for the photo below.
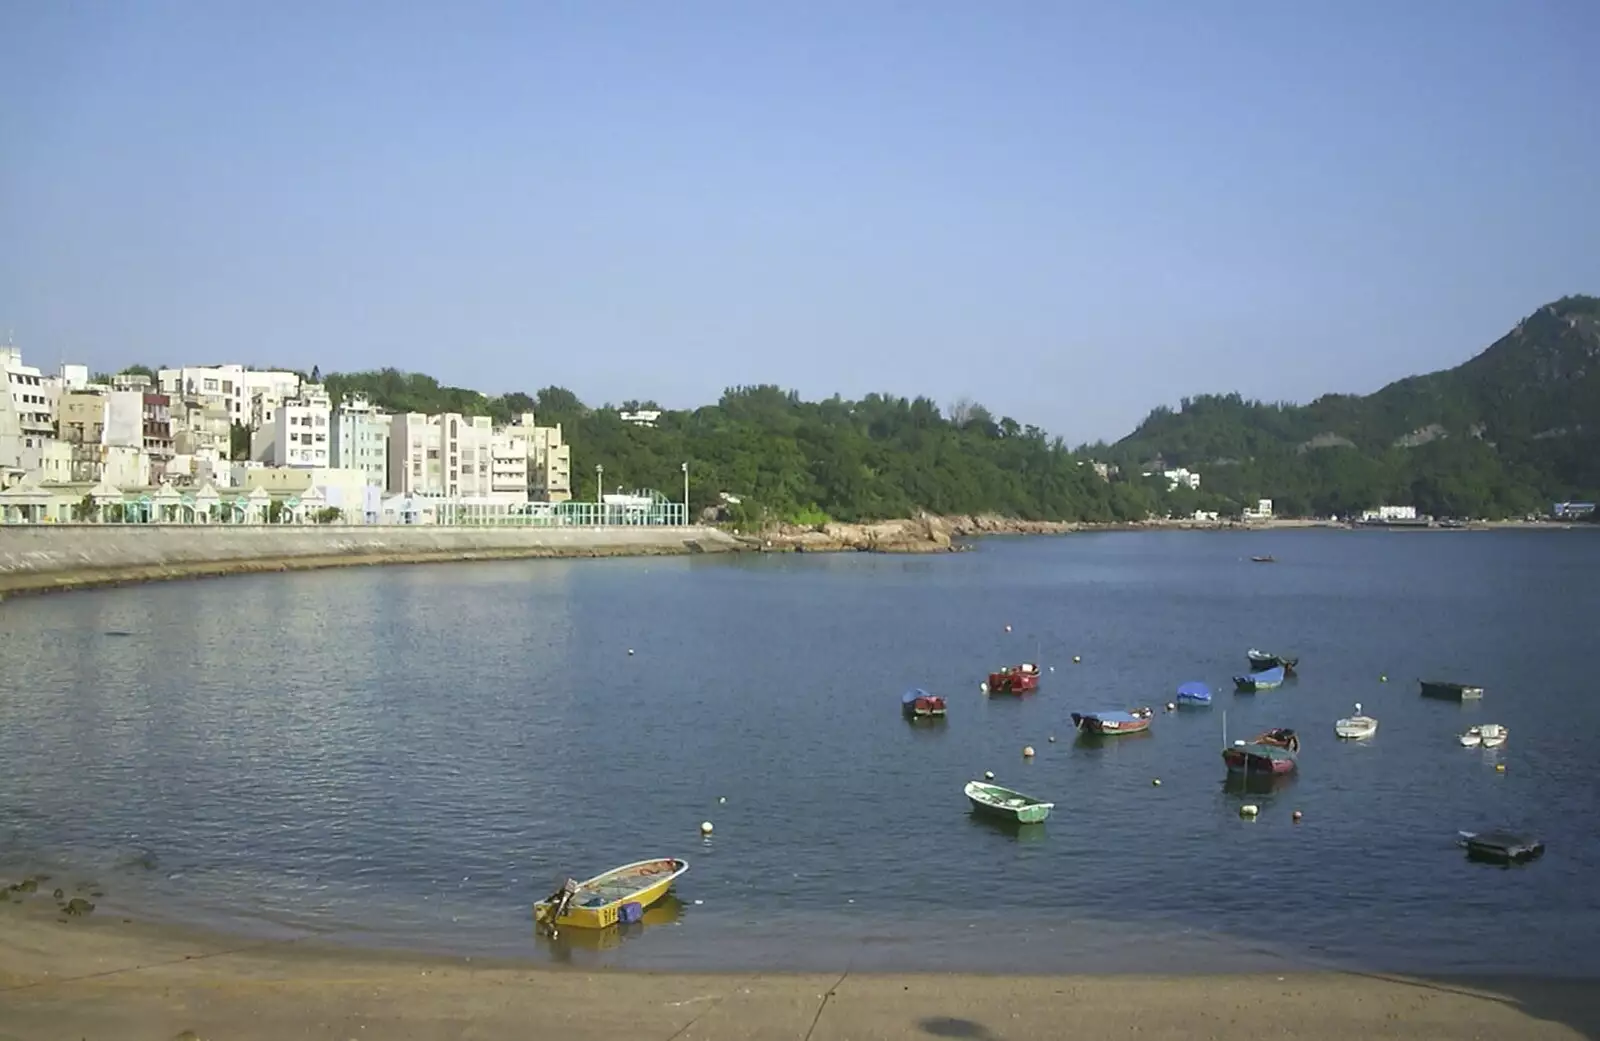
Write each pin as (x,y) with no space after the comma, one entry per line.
(1500,435)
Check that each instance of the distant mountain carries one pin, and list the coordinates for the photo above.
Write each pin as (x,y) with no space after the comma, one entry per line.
(1504,433)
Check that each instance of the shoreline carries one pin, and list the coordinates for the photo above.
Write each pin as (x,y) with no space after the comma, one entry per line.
(57,558)
(934,534)
(926,535)
(111,977)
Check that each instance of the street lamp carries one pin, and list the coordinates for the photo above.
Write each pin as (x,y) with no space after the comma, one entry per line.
(686,492)
(599,484)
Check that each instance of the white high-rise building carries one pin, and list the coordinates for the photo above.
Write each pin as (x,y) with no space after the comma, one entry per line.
(235,384)
(300,431)
(359,439)
(446,456)
(27,415)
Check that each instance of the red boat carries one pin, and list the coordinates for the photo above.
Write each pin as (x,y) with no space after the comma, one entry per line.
(1015,679)
(919,704)
(1273,752)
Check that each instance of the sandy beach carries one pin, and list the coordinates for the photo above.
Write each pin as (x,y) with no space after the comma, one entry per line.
(106,978)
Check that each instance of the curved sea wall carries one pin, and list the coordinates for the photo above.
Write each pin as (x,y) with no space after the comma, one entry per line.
(37,558)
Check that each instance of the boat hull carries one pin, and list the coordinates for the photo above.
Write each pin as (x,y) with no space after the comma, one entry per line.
(1263,662)
(1005,804)
(1450,691)
(1014,681)
(1356,728)
(931,707)
(599,901)
(1090,724)
(1242,762)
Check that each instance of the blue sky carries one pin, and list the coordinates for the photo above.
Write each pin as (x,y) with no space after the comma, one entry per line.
(1068,211)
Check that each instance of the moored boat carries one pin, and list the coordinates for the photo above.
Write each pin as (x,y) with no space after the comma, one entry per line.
(1268,559)
(1357,726)
(620,894)
(1261,661)
(1450,691)
(1501,847)
(1114,722)
(919,704)
(1264,755)
(1014,679)
(1267,679)
(1194,694)
(1488,735)
(995,801)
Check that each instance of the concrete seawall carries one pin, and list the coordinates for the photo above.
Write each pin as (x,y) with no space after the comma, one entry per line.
(38,558)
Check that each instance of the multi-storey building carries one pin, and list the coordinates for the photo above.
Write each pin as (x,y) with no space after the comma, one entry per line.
(508,465)
(549,460)
(299,431)
(236,385)
(27,414)
(359,439)
(447,455)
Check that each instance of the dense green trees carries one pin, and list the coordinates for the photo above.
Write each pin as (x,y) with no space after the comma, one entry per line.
(1505,434)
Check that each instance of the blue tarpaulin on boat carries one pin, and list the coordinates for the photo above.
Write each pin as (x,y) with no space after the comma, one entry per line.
(1111,717)
(1194,692)
(911,695)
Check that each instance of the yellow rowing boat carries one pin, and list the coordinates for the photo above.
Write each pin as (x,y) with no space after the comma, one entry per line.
(600,902)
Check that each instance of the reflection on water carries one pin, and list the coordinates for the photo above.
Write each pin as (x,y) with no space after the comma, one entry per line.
(1258,783)
(570,942)
(412,756)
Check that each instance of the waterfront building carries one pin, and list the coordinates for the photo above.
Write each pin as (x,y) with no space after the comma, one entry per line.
(299,431)
(359,439)
(445,455)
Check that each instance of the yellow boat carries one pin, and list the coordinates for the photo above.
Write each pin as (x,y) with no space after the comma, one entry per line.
(599,902)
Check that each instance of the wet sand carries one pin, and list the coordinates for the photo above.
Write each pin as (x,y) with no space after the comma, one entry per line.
(100,977)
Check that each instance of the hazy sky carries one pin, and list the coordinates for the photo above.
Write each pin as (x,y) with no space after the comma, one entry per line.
(1068,211)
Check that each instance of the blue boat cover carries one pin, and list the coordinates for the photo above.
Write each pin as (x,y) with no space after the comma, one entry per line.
(1110,717)
(1194,692)
(911,695)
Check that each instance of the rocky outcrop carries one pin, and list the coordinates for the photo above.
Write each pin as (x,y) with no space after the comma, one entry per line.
(924,534)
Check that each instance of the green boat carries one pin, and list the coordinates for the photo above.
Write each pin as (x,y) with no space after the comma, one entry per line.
(1003,802)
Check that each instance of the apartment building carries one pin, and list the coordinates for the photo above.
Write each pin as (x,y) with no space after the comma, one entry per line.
(236,385)
(508,465)
(446,455)
(27,415)
(549,460)
(359,439)
(299,433)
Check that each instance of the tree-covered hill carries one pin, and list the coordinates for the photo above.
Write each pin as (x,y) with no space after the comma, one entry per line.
(1502,434)
(783,458)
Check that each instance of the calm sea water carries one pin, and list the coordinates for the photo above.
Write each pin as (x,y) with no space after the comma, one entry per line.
(410,756)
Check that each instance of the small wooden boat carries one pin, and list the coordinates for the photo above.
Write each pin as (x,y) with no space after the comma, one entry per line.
(1014,679)
(1261,661)
(1356,727)
(919,704)
(1194,694)
(1267,679)
(1488,735)
(1269,559)
(1450,691)
(1111,723)
(618,895)
(995,801)
(1269,753)
(1501,847)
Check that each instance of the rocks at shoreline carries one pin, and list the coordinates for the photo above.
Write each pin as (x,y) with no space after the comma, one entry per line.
(924,534)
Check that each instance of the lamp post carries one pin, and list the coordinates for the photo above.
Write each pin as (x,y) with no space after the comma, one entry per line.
(600,490)
(686,493)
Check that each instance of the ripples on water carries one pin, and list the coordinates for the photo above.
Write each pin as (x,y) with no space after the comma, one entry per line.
(412,755)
